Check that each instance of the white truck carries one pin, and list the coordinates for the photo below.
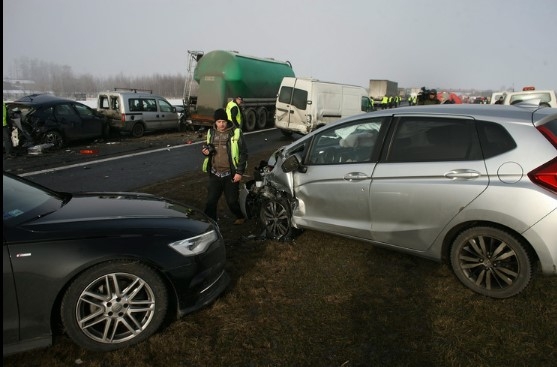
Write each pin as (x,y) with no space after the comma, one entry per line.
(542,98)
(306,104)
(381,87)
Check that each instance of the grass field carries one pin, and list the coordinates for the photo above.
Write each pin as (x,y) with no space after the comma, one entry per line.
(322,300)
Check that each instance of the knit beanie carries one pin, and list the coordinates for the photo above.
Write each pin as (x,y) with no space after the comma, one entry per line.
(220,114)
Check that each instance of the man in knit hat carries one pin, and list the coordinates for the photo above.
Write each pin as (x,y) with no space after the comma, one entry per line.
(226,157)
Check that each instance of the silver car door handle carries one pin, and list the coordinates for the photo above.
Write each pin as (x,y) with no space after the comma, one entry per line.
(355,176)
(462,174)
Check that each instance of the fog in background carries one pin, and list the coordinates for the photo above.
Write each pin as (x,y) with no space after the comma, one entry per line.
(498,44)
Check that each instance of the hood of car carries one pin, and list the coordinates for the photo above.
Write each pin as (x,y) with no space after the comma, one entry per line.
(118,214)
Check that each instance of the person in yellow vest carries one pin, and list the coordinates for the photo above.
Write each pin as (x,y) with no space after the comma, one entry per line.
(226,157)
(384,102)
(233,111)
(7,132)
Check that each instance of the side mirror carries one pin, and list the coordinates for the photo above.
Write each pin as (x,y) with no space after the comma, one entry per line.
(290,164)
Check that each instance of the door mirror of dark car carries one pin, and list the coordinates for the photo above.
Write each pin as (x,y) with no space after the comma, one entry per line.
(292,164)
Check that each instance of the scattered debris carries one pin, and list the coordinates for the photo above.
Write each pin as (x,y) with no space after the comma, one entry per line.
(39,149)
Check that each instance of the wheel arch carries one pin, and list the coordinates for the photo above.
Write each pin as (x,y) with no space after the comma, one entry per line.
(58,131)
(453,233)
(55,312)
(138,123)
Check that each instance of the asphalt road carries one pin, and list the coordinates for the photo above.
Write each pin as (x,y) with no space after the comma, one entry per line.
(128,164)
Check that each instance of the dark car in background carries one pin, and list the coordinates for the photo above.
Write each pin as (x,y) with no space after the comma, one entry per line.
(47,119)
(109,267)
(472,186)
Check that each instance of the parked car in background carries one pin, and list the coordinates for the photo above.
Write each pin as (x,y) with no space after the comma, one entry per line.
(137,111)
(472,186)
(109,267)
(542,98)
(47,119)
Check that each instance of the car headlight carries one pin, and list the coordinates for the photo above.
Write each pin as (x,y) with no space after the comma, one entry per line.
(195,245)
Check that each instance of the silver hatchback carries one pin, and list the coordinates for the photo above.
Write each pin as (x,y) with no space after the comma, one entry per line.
(473,186)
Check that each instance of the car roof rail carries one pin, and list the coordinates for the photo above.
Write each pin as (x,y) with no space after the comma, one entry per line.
(134,90)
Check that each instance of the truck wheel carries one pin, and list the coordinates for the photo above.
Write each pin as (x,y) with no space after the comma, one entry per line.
(251,119)
(261,118)
(138,130)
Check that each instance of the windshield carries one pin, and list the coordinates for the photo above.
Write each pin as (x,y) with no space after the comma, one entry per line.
(23,200)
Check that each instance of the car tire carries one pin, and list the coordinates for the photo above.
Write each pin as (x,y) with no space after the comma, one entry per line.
(114,305)
(138,130)
(491,262)
(55,138)
(274,215)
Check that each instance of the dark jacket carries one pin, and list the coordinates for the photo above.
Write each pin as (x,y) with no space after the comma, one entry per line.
(242,159)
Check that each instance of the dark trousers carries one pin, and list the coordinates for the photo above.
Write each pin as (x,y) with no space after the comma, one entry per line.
(231,190)
(7,138)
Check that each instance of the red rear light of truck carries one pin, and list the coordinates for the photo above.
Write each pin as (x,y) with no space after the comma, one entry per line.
(546,175)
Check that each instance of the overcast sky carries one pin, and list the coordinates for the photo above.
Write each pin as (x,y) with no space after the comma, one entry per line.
(483,44)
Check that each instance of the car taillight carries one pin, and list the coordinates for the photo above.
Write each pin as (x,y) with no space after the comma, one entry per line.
(545,175)
(547,130)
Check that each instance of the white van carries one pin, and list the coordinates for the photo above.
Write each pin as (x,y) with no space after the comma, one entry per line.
(305,104)
(496,95)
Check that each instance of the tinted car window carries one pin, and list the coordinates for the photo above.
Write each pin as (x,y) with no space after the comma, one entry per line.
(354,143)
(165,106)
(543,97)
(434,140)
(494,139)
(297,97)
(300,99)
(65,113)
(285,95)
(150,104)
(41,114)
(84,111)
(136,104)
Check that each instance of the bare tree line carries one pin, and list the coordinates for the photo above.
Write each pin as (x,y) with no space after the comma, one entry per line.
(62,81)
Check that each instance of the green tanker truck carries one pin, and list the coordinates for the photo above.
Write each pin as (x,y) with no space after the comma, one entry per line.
(223,75)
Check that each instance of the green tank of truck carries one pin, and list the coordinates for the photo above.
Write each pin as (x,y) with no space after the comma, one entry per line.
(223,75)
